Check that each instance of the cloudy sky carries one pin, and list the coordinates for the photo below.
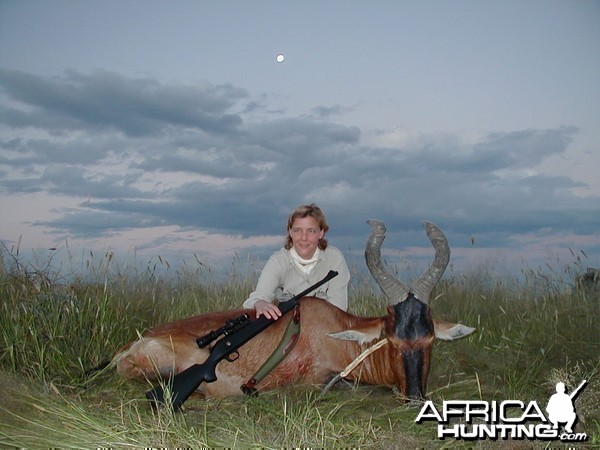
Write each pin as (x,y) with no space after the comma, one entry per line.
(169,128)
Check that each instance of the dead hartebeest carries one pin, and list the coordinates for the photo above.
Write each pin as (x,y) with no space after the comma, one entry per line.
(330,338)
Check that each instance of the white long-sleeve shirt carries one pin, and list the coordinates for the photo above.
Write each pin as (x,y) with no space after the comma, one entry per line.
(280,279)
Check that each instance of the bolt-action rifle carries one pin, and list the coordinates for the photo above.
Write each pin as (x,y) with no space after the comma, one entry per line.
(236,332)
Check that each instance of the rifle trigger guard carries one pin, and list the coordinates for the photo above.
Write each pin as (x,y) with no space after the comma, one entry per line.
(233,356)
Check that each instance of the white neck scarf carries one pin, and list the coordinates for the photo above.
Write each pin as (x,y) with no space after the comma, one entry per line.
(305,265)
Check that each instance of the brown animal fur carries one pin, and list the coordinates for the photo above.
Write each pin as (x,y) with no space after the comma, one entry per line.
(171,348)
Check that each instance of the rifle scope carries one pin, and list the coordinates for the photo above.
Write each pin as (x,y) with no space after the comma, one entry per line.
(230,326)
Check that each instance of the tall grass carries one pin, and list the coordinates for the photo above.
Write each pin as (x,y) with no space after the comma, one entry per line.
(530,334)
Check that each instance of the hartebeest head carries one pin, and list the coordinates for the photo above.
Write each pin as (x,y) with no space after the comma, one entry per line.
(408,326)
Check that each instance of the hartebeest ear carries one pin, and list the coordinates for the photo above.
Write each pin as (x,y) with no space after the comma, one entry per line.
(362,334)
(448,331)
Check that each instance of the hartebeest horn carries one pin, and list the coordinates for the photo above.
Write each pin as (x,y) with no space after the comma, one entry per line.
(423,286)
(393,289)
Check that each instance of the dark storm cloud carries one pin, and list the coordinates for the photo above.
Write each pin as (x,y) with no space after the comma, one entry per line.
(26,153)
(302,138)
(150,154)
(136,107)
(327,112)
(88,223)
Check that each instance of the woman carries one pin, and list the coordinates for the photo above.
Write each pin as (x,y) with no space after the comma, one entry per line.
(305,259)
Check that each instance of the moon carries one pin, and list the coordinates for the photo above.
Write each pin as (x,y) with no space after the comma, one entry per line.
(280,58)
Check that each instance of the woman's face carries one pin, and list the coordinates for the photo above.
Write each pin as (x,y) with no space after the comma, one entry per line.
(305,234)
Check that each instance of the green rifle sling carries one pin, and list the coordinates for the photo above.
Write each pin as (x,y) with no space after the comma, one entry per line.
(287,343)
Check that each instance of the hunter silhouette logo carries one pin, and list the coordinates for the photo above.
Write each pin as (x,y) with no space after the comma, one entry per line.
(560,406)
(509,419)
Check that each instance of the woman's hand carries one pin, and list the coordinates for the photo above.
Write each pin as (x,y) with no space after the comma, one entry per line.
(267,309)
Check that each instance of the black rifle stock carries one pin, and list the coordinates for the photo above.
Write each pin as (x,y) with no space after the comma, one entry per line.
(186,382)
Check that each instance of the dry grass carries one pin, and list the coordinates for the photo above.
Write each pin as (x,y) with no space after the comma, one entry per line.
(529,335)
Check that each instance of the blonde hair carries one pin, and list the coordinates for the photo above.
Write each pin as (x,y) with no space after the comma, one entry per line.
(301,212)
